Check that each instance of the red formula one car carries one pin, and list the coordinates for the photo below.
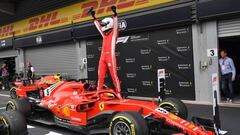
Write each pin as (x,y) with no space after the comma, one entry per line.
(79,107)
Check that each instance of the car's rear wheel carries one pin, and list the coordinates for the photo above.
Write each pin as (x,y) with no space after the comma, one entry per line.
(12,123)
(128,123)
(175,106)
(13,93)
(21,105)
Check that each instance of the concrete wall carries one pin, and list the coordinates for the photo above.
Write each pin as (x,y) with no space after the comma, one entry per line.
(204,37)
(82,59)
(20,59)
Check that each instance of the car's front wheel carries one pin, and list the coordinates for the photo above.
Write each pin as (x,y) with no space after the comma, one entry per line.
(175,106)
(12,123)
(128,123)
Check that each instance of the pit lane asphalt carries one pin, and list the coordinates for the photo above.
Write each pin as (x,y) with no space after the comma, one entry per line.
(230,119)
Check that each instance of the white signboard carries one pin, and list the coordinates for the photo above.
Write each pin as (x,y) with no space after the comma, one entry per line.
(161,73)
(215,82)
(161,77)
(3,43)
(212,52)
(122,25)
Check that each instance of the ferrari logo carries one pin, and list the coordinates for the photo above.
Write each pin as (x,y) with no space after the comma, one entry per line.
(101,106)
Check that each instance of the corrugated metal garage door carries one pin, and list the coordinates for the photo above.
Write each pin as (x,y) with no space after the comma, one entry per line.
(8,53)
(229,28)
(50,59)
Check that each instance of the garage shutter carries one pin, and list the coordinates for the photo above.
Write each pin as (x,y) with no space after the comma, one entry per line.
(229,28)
(8,53)
(50,59)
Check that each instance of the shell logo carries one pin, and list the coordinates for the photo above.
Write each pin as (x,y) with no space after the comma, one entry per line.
(66,111)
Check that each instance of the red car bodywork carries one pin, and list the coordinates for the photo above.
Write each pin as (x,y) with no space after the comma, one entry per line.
(50,79)
(73,102)
(43,83)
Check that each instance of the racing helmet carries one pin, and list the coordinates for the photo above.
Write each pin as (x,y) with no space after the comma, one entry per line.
(107,24)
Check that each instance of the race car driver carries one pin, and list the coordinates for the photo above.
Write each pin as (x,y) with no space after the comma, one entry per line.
(108,28)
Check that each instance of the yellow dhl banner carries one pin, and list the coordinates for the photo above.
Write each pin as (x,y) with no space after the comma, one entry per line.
(73,14)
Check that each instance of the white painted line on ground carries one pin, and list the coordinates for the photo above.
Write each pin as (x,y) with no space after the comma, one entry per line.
(2,108)
(53,133)
(3,95)
(50,133)
(29,126)
(223,132)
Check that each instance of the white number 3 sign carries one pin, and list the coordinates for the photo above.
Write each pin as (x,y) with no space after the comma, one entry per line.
(212,52)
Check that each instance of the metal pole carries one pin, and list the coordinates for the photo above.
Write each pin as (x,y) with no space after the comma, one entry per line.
(161,83)
(215,85)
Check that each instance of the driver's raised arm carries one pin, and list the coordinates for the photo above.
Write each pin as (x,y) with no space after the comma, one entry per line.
(97,24)
(115,23)
(99,27)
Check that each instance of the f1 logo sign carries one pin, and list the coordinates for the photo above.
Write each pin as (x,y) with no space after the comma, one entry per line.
(161,73)
(122,39)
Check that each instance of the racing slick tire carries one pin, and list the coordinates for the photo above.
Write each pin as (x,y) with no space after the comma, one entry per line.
(128,123)
(21,105)
(175,106)
(13,93)
(13,123)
